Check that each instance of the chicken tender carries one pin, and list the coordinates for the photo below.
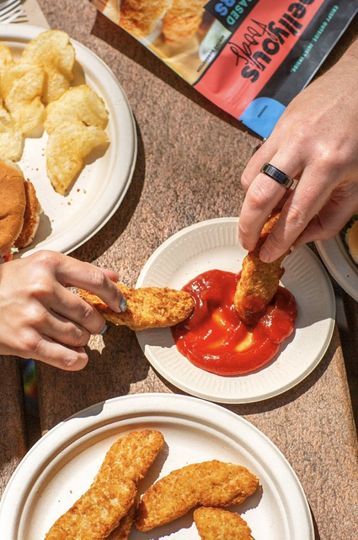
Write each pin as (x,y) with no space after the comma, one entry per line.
(113,492)
(123,531)
(211,483)
(146,308)
(219,524)
(52,51)
(182,20)
(79,103)
(259,281)
(140,16)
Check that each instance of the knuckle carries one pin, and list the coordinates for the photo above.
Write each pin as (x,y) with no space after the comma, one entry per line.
(295,218)
(98,279)
(47,259)
(41,289)
(79,337)
(29,343)
(37,316)
(258,197)
(245,180)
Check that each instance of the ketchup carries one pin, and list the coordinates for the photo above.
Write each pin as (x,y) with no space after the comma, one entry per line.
(215,339)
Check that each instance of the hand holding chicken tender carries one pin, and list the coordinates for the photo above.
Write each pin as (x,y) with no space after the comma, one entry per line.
(53,52)
(219,524)
(150,307)
(79,103)
(67,148)
(211,483)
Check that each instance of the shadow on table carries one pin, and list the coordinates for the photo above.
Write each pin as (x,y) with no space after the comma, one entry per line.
(108,374)
(119,39)
(100,243)
(316,532)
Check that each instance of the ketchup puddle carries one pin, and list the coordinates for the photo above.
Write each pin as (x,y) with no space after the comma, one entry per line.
(216,340)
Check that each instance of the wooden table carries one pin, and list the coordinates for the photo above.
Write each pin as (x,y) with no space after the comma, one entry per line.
(190,158)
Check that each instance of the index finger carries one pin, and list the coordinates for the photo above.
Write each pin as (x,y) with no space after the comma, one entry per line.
(262,197)
(71,272)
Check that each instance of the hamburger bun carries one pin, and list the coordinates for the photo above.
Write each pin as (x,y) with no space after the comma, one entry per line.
(19,209)
(12,208)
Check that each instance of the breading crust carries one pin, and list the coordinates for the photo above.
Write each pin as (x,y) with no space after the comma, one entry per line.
(259,281)
(147,307)
(113,492)
(219,524)
(211,483)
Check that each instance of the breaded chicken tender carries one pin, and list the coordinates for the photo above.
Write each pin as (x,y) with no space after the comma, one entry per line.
(150,307)
(52,51)
(79,103)
(211,483)
(140,16)
(113,492)
(259,281)
(67,148)
(219,524)
(123,530)
(182,20)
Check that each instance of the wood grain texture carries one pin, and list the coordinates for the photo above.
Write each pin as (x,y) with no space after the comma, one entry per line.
(189,164)
(12,432)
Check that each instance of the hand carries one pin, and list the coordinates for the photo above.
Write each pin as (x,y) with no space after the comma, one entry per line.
(41,319)
(315,140)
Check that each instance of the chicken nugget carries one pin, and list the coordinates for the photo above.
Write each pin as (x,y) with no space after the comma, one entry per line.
(149,307)
(211,483)
(113,492)
(140,16)
(219,524)
(259,281)
(182,20)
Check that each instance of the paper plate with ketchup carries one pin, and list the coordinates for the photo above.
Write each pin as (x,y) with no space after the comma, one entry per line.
(213,355)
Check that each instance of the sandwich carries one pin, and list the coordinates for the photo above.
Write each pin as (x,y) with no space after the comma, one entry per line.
(19,211)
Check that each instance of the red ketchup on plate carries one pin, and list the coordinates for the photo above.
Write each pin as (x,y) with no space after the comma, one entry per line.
(215,339)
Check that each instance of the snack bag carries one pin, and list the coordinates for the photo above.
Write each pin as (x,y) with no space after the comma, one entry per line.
(249,57)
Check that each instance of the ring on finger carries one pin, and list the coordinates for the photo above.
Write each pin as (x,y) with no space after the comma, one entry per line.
(279,176)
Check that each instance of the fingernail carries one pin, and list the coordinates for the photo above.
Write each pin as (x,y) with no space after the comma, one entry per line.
(104,330)
(265,256)
(123,304)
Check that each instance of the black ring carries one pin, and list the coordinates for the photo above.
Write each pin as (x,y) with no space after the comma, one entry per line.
(279,176)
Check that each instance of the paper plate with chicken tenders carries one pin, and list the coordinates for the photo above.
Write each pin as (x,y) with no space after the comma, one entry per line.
(155,466)
(65,122)
(255,329)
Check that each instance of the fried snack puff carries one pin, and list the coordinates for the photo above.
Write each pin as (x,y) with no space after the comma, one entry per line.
(79,103)
(11,139)
(67,148)
(219,524)
(21,87)
(52,51)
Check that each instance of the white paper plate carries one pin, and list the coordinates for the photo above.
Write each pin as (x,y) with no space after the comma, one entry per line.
(69,221)
(339,264)
(214,244)
(61,466)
